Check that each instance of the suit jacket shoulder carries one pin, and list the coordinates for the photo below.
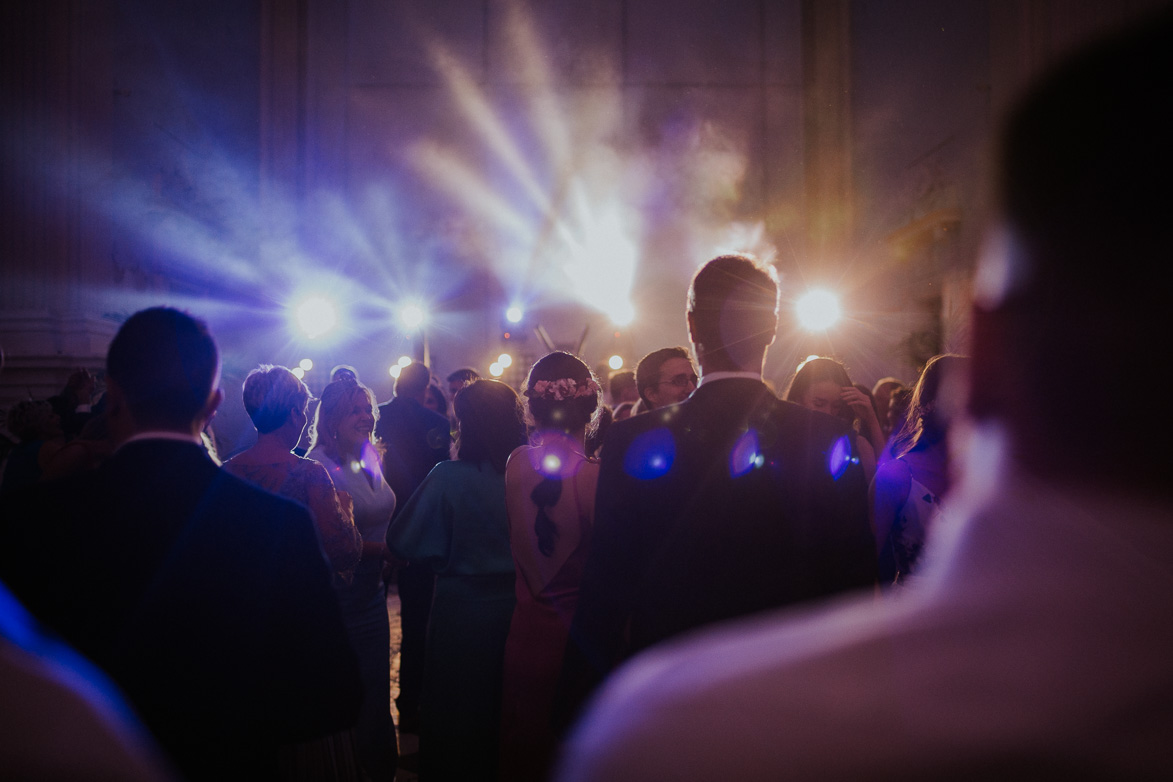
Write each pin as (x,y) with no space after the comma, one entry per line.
(204,597)
(729,503)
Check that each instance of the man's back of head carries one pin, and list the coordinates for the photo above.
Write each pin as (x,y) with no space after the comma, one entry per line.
(1072,301)
(165,367)
(733,313)
(413,381)
(459,378)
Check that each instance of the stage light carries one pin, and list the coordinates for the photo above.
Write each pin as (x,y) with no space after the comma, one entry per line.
(505,360)
(818,310)
(305,364)
(412,315)
(514,314)
(404,361)
(621,313)
(615,362)
(395,370)
(496,370)
(315,316)
(298,372)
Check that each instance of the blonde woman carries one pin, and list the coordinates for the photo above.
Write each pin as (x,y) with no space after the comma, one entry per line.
(343,428)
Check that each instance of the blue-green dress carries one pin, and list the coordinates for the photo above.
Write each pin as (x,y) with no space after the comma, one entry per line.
(456,524)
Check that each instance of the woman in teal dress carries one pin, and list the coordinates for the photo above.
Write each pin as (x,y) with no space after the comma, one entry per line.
(456,524)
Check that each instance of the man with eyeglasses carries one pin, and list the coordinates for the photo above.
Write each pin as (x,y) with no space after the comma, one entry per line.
(665,377)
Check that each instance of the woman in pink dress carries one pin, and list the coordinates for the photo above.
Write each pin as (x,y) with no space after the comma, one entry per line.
(550,498)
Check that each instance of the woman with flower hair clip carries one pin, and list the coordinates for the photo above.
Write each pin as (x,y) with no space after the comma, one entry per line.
(550,498)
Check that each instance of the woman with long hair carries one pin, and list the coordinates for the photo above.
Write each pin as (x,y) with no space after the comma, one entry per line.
(550,495)
(822,384)
(341,441)
(907,492)
(455,524)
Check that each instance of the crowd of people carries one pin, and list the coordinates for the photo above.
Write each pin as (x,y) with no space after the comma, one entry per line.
(703,578)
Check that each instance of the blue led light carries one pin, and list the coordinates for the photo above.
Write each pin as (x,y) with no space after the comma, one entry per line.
(746,454)
(840,457)
(651,455)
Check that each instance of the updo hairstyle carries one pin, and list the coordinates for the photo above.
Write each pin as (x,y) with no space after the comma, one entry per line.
(572,411)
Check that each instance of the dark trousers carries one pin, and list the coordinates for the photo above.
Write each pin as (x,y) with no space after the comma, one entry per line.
(416,584)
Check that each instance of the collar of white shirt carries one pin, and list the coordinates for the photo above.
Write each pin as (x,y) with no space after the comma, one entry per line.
(712,377)
(154,435)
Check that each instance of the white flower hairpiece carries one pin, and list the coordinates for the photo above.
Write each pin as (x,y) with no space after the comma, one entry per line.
(563,389)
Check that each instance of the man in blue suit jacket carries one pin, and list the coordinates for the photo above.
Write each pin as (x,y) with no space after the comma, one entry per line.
(207,600)
(726,504)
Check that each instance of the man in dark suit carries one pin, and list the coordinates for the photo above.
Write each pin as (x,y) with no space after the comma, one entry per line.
(726,504)
(416,439)
(207,600)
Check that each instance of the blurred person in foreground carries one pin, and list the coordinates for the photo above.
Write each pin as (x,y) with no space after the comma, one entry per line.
(728,503)
(1037,643)
(206,599)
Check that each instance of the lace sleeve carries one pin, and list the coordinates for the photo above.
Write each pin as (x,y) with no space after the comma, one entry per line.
(340,538)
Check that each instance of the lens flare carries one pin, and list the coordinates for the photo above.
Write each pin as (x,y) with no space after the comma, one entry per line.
(306,364)
(651,455)
(514,314)
(615,362)
(412,315)
(818,310)
(315,316)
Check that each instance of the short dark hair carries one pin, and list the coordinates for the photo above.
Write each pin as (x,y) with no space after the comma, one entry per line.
(733,305)
(413,380)
(463,375)
(647,372)
(491,420)
(166,364)
(619,381)
(1084,168)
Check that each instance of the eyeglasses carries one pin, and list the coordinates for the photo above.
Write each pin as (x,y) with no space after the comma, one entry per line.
(683,380)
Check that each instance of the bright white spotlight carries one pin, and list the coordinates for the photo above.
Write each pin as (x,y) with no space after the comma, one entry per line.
(621,313)
(496,370)
(818,310)
(306,364)
(404,360)
(315,315)
(505,360)
(514,314)
(615,362)
(395,370)
(412,315)
(298,372)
